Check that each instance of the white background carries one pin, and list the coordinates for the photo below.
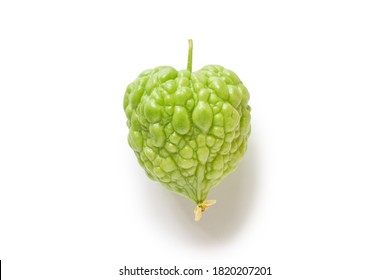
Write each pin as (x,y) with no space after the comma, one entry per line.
(311,197)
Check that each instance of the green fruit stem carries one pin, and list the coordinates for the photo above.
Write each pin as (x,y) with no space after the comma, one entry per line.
(189,63)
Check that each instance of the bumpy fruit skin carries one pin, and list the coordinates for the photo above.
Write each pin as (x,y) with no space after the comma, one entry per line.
(188,129)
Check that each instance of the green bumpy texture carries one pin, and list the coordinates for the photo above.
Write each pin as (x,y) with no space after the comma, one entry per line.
(188,129)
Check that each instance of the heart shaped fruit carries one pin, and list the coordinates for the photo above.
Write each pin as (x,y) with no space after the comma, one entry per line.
(188,129)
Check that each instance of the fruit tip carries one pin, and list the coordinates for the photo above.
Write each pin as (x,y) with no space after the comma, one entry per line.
(201,207)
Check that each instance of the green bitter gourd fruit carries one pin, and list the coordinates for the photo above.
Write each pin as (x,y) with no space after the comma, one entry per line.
(188,129)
